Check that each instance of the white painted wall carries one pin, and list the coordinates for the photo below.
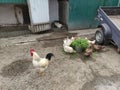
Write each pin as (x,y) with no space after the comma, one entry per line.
(7,15)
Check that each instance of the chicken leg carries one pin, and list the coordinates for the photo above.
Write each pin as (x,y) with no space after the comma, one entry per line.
(42,72)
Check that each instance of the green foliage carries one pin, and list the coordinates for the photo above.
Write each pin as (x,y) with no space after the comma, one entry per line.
(81,43)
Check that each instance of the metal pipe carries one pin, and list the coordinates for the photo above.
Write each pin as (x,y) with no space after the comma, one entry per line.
(119,3)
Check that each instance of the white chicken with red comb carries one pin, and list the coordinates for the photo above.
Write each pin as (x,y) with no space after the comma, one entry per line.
(41,63)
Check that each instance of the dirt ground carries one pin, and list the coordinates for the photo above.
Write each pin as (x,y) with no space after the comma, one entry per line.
(66,72)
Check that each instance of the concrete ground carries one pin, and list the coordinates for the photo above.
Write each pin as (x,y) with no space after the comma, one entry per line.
(66,72)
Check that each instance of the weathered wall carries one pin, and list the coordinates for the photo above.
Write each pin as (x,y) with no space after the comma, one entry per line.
(53,10)
(8,15)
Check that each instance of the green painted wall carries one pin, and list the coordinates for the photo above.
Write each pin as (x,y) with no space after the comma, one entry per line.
(82,13)
(13,1)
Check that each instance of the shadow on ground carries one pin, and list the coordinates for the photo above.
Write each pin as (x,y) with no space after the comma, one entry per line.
(15,68)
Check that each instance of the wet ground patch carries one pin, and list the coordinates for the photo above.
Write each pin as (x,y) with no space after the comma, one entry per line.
(15,68)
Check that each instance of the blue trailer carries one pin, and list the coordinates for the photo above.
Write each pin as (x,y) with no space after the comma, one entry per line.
(109,26)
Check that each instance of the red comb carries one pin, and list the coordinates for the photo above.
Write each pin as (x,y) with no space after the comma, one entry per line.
(32,49)
(31,52)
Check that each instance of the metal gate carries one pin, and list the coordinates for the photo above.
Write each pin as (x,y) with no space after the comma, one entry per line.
(13,1)
(82,12)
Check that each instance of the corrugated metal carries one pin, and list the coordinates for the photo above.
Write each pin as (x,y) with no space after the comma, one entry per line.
(39,11)
(14,1)
(39,28)
(82,13)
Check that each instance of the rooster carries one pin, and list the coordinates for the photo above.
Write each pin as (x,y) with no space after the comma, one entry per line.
(41,63)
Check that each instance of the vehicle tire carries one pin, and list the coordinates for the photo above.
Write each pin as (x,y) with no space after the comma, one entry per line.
(99,36)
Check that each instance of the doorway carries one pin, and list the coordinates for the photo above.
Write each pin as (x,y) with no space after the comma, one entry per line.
(58,11)
(63,11)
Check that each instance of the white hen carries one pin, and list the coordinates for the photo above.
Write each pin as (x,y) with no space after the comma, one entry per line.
(68,49)
(89,41)
(66,45)
(67,41)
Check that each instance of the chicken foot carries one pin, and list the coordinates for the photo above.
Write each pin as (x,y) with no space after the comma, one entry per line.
(42,73)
